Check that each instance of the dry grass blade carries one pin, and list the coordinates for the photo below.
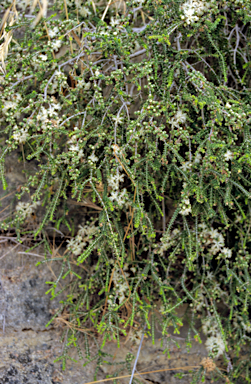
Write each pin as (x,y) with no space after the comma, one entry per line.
(41,13)
(4,21)
(9,18)
(77,39)
(106,9)
(86,203)
(33,6)
(59,320)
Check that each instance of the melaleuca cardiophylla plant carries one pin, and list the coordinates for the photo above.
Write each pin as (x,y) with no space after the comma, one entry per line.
(146,113)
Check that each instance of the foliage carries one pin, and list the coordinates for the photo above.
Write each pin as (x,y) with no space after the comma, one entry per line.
(142,109)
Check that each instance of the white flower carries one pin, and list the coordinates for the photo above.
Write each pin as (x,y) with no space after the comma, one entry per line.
(215,345)
(209,326)
(21,206)
(197,158)
(93,158)
(174,123)
(114,180)
(180,116)
(87,85)
(190,18)
(120,177)
(9,105)
(84,12)
(119,198)
(26,209)
(53,32)
(189,11)
(238,218)
(228,106)
(58,73)
(227,252)
(214,233)
(78,3)
(43,57)
(118,119)
(192,7)
(228,155)
(114,22)
(185,207)
(56,44)
(186,166)
(74,148)
(21,135)
(81,83)
(215,248)
(97,73)
(77,244)
(116,149)
(217,244)
(51,110)
(210,275)
(103,33)
(114,195)
(185,211)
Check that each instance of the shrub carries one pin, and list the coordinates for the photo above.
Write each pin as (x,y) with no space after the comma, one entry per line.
(140,111)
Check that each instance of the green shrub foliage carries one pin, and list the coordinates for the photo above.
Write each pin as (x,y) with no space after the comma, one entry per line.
(140,111)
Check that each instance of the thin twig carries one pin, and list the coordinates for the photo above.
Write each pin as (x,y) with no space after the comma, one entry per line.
(137,357)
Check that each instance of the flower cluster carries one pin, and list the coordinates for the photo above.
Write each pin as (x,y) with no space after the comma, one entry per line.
(168,241)
(179,118)
(120,283)
(48,116)
(120,197)
(243,322)
(77,244)
(56,44)
(192,9)
(186,166)
(214,343)
(228,155)
(53,32)
(10,105)
(213,239)
(186,207)
(25,210)
(83,10)
(20,134)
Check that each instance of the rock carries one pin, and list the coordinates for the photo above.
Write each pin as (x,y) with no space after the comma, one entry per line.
(27,347)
